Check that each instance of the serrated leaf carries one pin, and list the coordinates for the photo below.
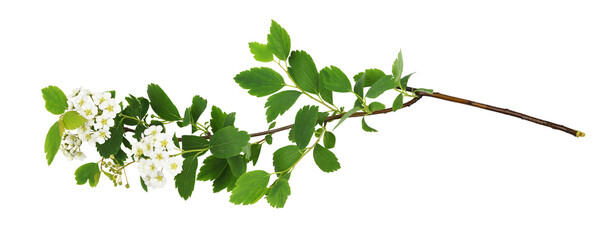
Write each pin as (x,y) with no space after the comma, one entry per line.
(261,52)
(371,76)
(55,100)
(199,105)
(279,103)
(335,80)
(237,165)
(325,159)
(304,125)
(385,83)
(250,187)
(347,115)
(375,106)
(366,127)
(161,104)
(285,157)
(329,139)
(52,142)
(404,80)
(191,142)
(133,109)
(185,181)
(278,193)
(279,41)
(212,168)
(228,142)
(229,120)
(87,172)
(260,81)
(217,118)
(224,180)
(398,66)
(303,71)
(398,103)
(112,145)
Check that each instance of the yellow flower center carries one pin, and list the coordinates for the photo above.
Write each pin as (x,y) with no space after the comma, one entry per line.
(110,108)
(173,166)
(88,112)
(164,143)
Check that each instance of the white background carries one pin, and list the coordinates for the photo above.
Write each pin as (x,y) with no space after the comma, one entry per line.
(437,170)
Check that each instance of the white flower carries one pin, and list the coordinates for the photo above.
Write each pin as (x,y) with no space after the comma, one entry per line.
(157,180)
(101,135)
(110,107)
(148,146)
(88,110)
(163,141)
(75,92)
(67,154)
(79,156)
(147,167)
(159,157)
(103,122)
(173,166)
(99,98)
(80,101)
(138,150)
(153,131)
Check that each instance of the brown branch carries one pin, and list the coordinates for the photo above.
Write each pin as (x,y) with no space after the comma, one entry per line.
(562,128)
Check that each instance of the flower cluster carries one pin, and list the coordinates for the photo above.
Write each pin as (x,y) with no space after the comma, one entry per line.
(99,111)
(152,153)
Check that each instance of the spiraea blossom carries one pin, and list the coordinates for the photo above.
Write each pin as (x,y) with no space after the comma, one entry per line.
(99,111)
(154,159)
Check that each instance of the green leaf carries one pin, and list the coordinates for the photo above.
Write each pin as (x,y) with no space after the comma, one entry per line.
(325,159)
(398,66)
(325,93)
(161,104)
(199,105)
(212,168)
(334,79)
(385,83)
(371,76)
(228,142)
(321,117)
(268,139)
(52,142)
(375,106)
(145,104)
(175,140)
(186,120)
(260,81)
(256,149)
(347,115)
(120,157)
(229,120)
(88,172)
(225,180)
(55,100)
(366,127)
(278,193)
(424,90)
(143,184)
(237,165)
(250,187)
(404,80)
(217,118)
(133,109)
(285,157)
(303,71)
(279,41)
(191,142)
(329,139)
(398,103)
(184,181)
(279,103)
(261,52)
(359,85)
(304,125)
(112,145)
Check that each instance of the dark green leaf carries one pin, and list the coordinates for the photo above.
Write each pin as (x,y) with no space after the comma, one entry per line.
(198,107)
(404,80)
(321,117)
(190,142)
(184,181)
(279,41)
(217,118)
(55,100)
(161,104)
(304,125)
(126,143)
(255,153)
(228,142)
(285,157)
(329,139)
(250,187)
(52,142)
(398,103)
(224,180)
(175,140)
(334,79)
(375,106)
(325,159)
(139,130)
(303,71)
(260,81)
(88,172)
(133,109)
(143,184)
(371,76)
(261,52)
(120,157)
(272,124)
(186,120)
(366,127)
(237,165)
(279,103)
(385,83)
(398,66)
(268,139)
(325,93)
(347,115)
(145,104)
(212,168)
(229,120)
(278,193)
(112,145)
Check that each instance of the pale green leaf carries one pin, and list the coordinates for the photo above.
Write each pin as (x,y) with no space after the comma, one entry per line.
(87,172)
(285,157)
(278,193)
(375,106)
(398,66)
(279,41)
(347,115)
(55,100)
(398,103)
(250,187)
(52,142)
(261,52)
(385,83)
